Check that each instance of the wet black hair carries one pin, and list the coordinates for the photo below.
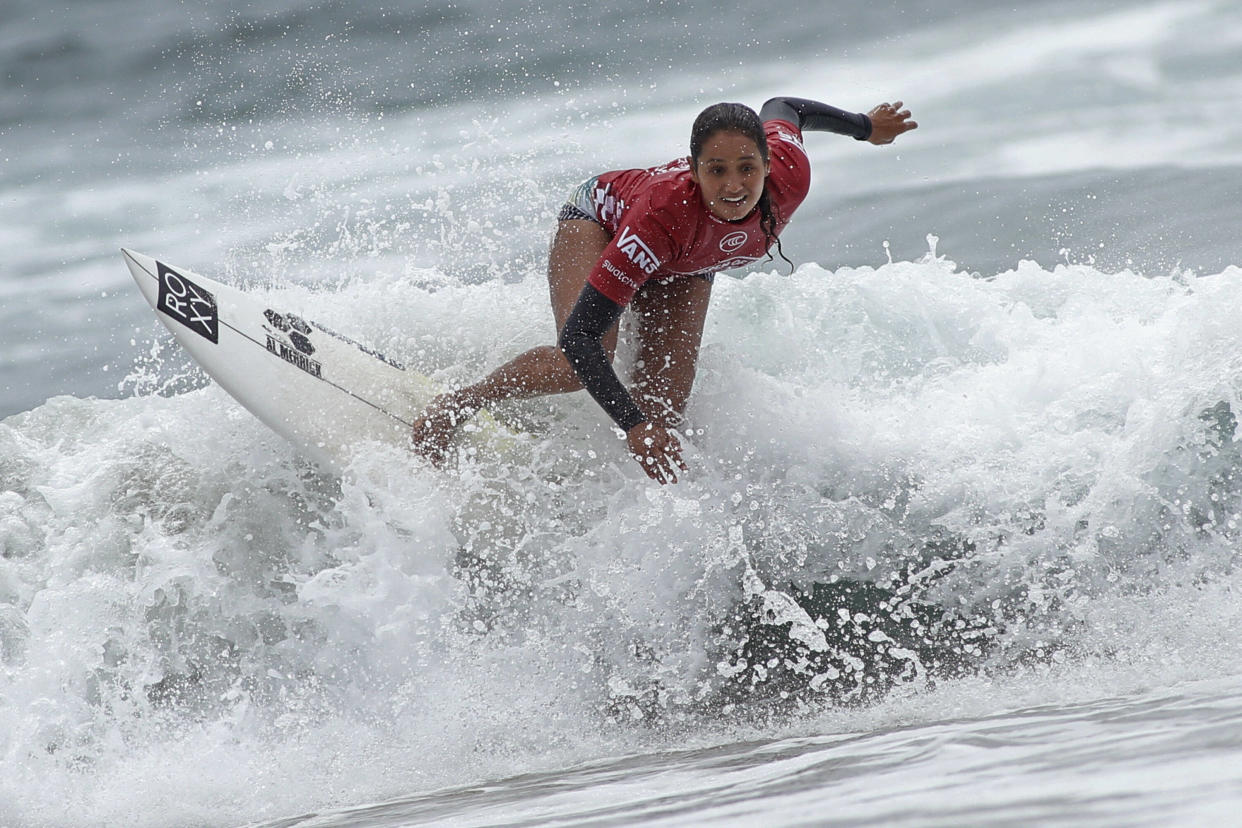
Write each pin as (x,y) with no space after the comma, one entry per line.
(739,118)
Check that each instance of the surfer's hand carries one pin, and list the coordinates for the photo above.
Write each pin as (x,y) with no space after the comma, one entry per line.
(433,431)
(657,450)
(888,121)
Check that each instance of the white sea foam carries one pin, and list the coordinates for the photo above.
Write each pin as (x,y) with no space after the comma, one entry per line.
(185,586)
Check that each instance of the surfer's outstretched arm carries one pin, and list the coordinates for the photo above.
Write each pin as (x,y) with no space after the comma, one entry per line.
(879,126)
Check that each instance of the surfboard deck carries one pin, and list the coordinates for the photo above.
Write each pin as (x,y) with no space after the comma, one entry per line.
(324,392)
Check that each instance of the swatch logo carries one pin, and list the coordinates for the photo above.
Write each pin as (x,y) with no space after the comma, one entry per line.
(733,241)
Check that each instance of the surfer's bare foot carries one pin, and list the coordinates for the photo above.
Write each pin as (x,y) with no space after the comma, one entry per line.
(434,431)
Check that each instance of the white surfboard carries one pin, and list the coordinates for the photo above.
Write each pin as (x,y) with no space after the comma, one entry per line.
(324,392)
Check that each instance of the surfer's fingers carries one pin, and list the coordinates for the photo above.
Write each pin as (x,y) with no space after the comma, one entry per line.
(658,451)
(673,459)
(651,465)
(675,463)
(657,466)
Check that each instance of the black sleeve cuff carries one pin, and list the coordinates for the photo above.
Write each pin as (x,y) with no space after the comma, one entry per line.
(582,343)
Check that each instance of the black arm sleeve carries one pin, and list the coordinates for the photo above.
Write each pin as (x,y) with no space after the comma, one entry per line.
(817,117)
(582,343)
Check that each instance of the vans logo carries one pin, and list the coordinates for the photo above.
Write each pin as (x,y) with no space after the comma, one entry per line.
(637,251)
(733,241)
(789,138)
(188,303)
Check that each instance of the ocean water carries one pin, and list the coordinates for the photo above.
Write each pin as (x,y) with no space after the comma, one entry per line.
(960,539)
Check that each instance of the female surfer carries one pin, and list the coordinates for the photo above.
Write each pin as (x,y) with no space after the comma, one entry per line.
(654,238)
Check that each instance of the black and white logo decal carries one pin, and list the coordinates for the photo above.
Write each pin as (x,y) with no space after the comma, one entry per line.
(293,326)
(289,338)
(188,303)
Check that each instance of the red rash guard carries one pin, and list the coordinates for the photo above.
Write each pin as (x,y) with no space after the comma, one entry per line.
(661,227)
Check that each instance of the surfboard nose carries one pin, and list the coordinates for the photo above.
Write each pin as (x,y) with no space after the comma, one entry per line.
(133,256)
(143,269)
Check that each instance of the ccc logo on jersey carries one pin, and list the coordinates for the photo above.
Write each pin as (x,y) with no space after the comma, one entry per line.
(734,241)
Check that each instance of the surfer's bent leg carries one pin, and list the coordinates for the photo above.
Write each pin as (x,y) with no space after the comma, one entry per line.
(537,372)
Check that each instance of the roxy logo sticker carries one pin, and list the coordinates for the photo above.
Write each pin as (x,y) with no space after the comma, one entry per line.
(733,241)
(188,303)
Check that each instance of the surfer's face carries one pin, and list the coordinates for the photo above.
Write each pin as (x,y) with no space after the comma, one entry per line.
(730,173)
